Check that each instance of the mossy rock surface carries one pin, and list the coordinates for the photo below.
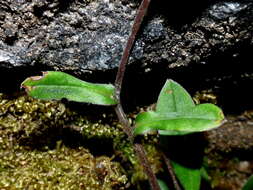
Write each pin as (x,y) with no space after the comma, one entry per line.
(33,155)
(62,168)
(47,145)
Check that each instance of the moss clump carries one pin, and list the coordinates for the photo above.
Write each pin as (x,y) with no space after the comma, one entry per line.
(62,168)
(35,153)
(205,96)
(154,158)
(135,169)
(31,157)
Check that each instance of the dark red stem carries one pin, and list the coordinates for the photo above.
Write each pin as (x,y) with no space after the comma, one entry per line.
(125,56)
(118,84)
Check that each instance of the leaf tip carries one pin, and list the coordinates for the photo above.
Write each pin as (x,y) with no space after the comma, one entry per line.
(26,83)
(27,88)
(23,84)
(170,81)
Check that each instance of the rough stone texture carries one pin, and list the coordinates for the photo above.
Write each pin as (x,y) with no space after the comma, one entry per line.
(221,27)
(83,36)
(76,36)
(229,152)
(234,136)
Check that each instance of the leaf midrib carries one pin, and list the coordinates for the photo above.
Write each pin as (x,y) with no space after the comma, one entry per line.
(74,86)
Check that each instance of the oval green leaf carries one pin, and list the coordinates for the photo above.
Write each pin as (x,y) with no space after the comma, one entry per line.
(189,178)
(54,85)
(201,118)
(182,116)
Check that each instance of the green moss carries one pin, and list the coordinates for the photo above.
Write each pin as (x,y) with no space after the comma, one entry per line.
(135,170)
(35,152)
(205,96)
(24,166)
(154,158)
(58,169)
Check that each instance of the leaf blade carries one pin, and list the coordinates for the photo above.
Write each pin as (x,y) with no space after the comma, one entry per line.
(189,178)
(182,123)
(183,118)
(173,98)
(57,85)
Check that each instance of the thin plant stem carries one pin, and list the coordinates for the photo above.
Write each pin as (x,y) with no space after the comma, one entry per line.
(139,149)
(118,84)
(171,172)
(125,123)
(125,56)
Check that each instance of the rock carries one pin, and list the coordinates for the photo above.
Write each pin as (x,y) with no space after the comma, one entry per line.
(228,152)
(234,137)
(210,44)
(76,36)
(88,36)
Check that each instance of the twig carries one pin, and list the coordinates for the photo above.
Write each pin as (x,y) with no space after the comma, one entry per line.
(118,84)
(171,172)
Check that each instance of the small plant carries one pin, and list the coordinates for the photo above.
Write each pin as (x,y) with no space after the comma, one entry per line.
(175,113)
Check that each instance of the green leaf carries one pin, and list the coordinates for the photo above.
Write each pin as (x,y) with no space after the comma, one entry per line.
(249,184)
(176,114)
(189,178)
(162,184)
(173,98)
(57,85)
(204,174)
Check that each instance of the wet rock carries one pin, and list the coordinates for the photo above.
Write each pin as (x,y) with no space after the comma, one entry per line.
(220,27)
(88,36)
(75,36)
(226,9)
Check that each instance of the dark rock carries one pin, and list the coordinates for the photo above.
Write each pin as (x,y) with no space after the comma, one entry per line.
(229,152)
(83,36)
(74,36)
(226,9)
(234,137)
(209,42)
